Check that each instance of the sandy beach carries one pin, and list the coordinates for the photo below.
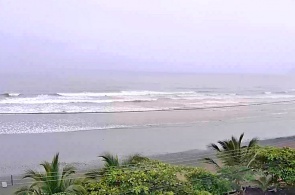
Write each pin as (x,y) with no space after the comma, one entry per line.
(176,137)
(178,131)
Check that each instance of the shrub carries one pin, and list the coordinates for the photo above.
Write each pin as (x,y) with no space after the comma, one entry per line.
(277,162)
(203,180)
(156,178)
(238,176)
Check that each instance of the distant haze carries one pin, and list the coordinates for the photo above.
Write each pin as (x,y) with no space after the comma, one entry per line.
(225,36)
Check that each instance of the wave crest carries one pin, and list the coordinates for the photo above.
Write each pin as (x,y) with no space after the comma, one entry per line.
(124,93)
(11,94)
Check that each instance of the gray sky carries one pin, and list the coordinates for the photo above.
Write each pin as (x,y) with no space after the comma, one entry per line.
(150,35)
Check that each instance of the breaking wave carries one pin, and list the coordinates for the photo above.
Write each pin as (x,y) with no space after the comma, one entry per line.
(10,94)
(128,101)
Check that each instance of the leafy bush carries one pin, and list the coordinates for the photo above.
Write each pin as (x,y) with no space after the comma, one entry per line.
(203,180)
(111,161)
(263,181)
(277,162)
(238,176)
(153,177)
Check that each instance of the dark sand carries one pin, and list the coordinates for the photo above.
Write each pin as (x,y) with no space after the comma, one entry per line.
(186,158)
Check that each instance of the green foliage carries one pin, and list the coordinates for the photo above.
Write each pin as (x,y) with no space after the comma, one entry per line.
(135,159)
(112,161)
(237,175)
(52,181)
(263,167)
(156,178)
(232,152)
(277,162)
(203,180)
(264,181)
(202,193)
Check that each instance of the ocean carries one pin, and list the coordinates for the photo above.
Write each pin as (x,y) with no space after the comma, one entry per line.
(77,101)
(83,114)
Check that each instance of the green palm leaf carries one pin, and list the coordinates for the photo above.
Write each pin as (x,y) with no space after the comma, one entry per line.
(52,181)
(232,152)
(110,160)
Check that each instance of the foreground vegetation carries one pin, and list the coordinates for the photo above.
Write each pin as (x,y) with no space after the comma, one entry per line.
(237,167)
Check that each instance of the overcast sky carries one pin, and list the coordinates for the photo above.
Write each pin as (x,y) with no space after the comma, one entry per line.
(149,35)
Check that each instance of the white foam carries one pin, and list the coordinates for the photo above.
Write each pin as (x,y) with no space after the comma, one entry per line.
(46,100)
(125,101)
(124,93)
(11,94)
(14,94)
(67,129)
(85,94)
(267,93)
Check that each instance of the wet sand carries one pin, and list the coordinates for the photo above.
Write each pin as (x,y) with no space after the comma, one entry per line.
(188,132)
(178,137)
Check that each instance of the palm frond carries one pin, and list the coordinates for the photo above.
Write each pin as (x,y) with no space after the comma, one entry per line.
(235,144)
(52,181)
(241,138)
(46,166)
(215,147)
(27,191)
(253,142)
(34,175)
(55,165)
(110,160)
(211,161)
(68,170)
(76,189)
(232,152)
(23,191)
(224,144)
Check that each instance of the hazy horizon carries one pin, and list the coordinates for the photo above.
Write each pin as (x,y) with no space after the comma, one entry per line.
(150,36)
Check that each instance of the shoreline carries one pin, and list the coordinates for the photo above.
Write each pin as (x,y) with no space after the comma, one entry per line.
(90,159)
(184,139)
